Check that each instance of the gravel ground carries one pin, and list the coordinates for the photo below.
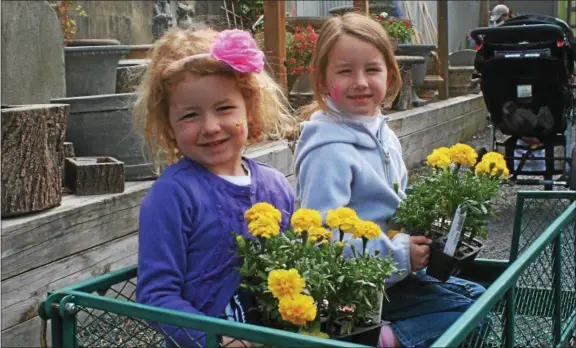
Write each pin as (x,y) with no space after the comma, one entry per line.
(497,245)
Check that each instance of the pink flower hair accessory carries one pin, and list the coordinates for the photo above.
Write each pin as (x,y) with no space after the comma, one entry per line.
(238,49)
(234,47)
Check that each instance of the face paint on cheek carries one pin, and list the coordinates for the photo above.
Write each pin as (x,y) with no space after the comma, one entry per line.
(335,92)
(241,125)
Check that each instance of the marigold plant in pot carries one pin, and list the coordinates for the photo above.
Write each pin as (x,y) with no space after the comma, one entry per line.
(454,187)
(302,281)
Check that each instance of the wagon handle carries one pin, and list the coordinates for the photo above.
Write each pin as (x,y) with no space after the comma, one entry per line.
(552,30)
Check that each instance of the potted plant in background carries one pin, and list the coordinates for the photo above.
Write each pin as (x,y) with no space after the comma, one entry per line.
(449,204)
(399,30)
(299,48)
(301,280)
(90,63)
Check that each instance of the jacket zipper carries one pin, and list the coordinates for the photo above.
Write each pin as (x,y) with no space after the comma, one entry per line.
(384,154)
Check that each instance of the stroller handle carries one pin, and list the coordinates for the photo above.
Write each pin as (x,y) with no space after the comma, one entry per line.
(520,32)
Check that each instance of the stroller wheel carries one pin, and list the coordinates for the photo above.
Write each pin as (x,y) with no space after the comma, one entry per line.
(572,177)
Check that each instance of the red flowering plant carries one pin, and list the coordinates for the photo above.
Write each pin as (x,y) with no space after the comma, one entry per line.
(300,46)
(397,28)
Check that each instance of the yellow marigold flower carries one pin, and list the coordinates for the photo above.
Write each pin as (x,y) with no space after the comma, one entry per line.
(439,158)
(340,244)
(319,233)
(260,209)
(463,154)
(493,157)
(366,229)
(283,283)
(392,233)
(343,218)
(264,226)
(305,220)
(318,334)
(498,167)
(298,309)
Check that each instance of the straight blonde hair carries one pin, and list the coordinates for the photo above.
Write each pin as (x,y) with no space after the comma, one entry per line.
(363,28)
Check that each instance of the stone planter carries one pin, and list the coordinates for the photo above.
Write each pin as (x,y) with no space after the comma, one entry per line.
(301,92)
(91,67)
(129,75)
(374,8)
(139,51)
(404,100)
(302,86)
(418,70)
(460,77)
(102,126)
(32,157)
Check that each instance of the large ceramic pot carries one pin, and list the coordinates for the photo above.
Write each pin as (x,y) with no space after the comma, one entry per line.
(418,70)
(129,74)
(102,125)
(91,66)
(139,51)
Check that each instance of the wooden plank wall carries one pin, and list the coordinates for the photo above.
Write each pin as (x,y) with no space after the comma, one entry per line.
(82,238)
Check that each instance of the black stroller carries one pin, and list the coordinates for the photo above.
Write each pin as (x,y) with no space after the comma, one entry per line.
(526,71)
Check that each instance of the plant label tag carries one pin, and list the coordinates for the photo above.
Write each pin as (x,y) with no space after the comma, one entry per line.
(455,231)
(524,91)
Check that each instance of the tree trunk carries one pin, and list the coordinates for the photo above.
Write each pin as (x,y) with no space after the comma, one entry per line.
(32,157)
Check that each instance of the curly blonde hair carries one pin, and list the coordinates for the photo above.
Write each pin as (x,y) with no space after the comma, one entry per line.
(363,28)
(268,112)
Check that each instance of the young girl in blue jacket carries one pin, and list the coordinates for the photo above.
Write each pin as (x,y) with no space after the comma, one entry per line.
(347,156)
(204,97)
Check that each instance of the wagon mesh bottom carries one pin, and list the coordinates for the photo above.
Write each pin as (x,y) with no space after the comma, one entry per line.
(531,300)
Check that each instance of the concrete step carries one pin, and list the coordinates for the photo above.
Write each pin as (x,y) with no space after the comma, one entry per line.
(432,82)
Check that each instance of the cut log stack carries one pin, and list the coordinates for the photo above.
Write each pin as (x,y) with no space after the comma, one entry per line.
(32,157)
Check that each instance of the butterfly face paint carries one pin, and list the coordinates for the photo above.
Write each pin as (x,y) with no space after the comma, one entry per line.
(241,125)
(335,93)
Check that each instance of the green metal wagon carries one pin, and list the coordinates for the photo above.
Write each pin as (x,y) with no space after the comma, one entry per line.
(530,299)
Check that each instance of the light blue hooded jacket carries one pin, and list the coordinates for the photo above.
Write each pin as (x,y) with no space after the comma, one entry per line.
(338,162)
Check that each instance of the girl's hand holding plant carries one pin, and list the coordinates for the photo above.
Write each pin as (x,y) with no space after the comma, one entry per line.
(419,252)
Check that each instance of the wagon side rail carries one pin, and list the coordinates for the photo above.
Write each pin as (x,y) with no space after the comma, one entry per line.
(533,302)
(83,319)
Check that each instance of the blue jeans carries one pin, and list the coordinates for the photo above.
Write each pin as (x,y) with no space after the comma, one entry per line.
(422,308)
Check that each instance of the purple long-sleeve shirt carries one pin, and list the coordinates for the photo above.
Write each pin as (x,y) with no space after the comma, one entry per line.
(186,258)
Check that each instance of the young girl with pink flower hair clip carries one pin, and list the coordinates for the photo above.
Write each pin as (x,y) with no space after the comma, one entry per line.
(204,97)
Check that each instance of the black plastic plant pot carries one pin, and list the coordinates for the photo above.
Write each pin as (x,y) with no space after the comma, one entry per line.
(363,335)
(442,266)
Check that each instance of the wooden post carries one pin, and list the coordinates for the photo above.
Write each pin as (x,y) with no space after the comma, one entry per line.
(484,12)
(275,39)
(362,6)
(442,8)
